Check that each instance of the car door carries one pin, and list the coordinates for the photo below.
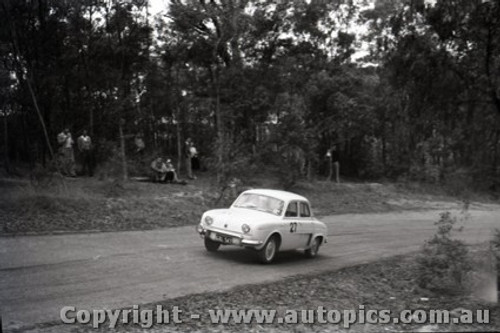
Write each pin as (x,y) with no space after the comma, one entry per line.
(306,225)
(291,228)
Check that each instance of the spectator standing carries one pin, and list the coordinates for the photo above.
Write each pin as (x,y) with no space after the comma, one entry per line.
(188,155)
(66,142)
(333,164)
(139,144)
(85,148)
(195,161)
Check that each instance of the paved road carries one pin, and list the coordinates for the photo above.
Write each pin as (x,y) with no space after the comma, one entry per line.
(41,274)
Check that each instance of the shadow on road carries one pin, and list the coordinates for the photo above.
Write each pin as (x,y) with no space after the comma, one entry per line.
(244,256)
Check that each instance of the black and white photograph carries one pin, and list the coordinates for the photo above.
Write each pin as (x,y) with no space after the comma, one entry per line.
(305,166)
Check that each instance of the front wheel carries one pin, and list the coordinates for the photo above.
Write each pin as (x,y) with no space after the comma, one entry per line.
(313,250)
(269,251)
(211,245)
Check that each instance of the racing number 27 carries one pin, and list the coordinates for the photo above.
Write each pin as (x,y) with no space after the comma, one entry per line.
(293,227)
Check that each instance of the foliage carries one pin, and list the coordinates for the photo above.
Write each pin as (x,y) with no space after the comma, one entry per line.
(423,104)
(289,145)
(443,263)
(235,162)
(438,61)
(496,242)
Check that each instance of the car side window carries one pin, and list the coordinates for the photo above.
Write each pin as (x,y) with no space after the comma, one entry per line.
(292,210)
(304,210)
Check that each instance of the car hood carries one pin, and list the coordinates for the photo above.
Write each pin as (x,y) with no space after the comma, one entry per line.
(232,219)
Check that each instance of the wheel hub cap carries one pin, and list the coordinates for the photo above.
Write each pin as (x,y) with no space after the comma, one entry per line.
(270,250)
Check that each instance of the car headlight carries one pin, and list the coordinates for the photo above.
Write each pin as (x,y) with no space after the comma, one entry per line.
(245,228)
(209,220)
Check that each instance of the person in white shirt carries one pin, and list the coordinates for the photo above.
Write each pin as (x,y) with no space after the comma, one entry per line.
(66,142)
(171,176)
(85,149)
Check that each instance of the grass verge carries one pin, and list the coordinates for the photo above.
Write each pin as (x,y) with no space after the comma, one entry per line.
(86,204)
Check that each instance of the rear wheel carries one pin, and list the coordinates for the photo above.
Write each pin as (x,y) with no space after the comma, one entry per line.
(313,250)
(211,245)
(269,251)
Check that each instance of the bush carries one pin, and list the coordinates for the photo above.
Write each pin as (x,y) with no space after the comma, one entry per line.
(285,163)
(444,263)
(47,178)
(459,182)
(233,171)
(496,243)
(236,160)
(110,165)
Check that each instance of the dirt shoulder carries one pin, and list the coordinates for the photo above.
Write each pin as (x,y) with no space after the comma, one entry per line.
(91,205)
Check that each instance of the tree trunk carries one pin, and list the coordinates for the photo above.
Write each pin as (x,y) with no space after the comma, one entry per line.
(20,68)
(6,144)
(219,126)
(91,121)
(26,144)
(489,75)
(179,141)
(494,165)
(384,153)
(309,169)
(220,135)
(122,150)
(330,168)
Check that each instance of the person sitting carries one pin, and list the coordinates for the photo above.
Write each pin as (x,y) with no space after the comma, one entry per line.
(171,175)
(160,170)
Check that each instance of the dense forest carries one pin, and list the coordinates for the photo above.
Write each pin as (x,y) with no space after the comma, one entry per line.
(405,89)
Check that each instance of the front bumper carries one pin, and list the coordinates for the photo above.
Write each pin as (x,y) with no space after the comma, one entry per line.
(241,240)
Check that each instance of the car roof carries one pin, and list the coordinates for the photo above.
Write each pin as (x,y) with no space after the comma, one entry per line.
(283,195)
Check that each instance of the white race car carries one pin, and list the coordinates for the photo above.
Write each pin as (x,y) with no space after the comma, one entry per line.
(267,221)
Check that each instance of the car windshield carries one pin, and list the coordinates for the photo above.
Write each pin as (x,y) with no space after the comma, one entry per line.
(260,202)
